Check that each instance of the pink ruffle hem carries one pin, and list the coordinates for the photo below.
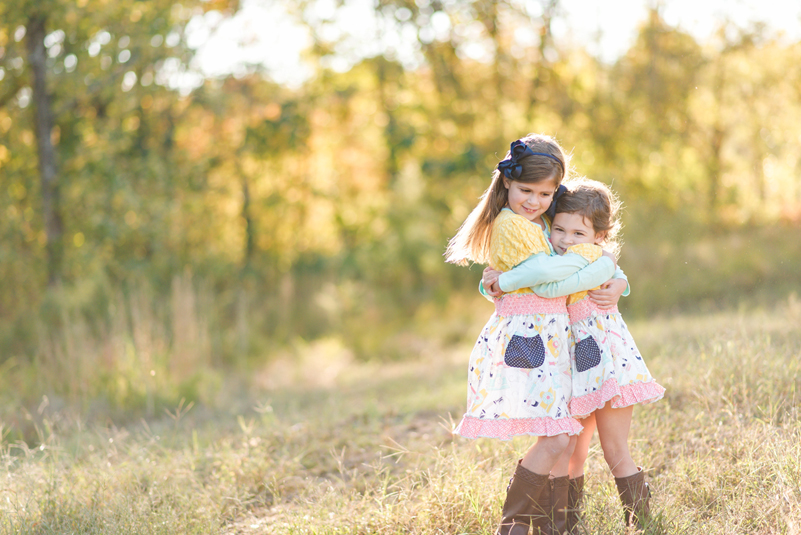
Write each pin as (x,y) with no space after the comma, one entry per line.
(621,396)
(471,427)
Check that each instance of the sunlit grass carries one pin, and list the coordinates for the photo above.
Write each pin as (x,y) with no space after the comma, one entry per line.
(366,448)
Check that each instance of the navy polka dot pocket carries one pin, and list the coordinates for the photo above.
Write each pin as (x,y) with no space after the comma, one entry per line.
(588,354)
(525,352)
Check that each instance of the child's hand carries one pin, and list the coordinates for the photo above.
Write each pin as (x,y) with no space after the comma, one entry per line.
(609,294)
(489,280)
(611,257)
(495,289)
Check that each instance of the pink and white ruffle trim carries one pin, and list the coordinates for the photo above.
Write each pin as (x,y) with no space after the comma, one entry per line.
(471,427)
(621,396)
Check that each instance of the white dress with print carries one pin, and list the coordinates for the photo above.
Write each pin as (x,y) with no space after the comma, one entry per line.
(519,374)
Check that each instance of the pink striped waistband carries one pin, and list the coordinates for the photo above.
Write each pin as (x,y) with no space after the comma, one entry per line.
(585,308)
(524,304)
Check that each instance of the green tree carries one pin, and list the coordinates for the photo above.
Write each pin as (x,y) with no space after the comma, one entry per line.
(96,70)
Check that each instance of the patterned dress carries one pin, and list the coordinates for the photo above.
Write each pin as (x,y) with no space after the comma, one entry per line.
(519,379)
(606,364)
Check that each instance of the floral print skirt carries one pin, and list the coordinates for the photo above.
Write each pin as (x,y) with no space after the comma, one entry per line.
(519,375)
(606,364)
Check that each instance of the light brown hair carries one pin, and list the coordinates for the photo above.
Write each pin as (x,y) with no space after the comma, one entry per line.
(596,202)
(472,240)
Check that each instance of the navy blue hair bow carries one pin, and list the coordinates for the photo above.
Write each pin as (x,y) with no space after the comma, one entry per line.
(551,211)
(511,167)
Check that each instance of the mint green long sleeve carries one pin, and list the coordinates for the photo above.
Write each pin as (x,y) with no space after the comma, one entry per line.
(593,276)
(544,269)
(528,274)
(540,269)
(590,277)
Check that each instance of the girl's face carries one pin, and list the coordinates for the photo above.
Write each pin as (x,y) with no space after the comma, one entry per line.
(572,229)
(530,200)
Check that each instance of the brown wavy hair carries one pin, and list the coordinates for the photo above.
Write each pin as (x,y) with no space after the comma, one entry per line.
(472,241)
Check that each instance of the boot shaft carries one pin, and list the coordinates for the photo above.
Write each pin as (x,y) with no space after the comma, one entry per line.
(526,502)
(575,497)
(558,506)
(635,494)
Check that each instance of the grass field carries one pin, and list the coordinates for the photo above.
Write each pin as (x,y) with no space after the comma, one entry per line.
(323,444)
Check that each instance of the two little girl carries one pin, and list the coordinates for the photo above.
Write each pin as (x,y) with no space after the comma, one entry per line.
(543,360)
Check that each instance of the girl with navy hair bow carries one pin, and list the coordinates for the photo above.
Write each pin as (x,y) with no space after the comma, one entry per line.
(519,373)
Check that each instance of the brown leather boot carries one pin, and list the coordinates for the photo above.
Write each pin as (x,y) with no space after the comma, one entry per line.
(575,495)
(523,506)
(557,512)
(635,495)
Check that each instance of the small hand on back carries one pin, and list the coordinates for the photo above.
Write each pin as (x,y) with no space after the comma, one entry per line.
(609,293)
(489,280)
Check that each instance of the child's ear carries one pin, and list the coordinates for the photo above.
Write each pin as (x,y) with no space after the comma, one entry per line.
(506,182)
(600,237)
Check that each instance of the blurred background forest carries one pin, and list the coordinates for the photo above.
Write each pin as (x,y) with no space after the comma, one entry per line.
(161,232)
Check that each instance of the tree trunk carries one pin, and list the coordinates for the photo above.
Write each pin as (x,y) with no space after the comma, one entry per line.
(390,130)
(715,168)
(546,38)
(250,231)
(47,156)
(715,162)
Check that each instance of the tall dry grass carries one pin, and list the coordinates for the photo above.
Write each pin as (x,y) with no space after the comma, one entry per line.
(144,353)
(366,448)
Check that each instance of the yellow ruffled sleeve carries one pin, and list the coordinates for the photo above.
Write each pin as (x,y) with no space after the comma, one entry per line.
(591,252)
(515,238)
